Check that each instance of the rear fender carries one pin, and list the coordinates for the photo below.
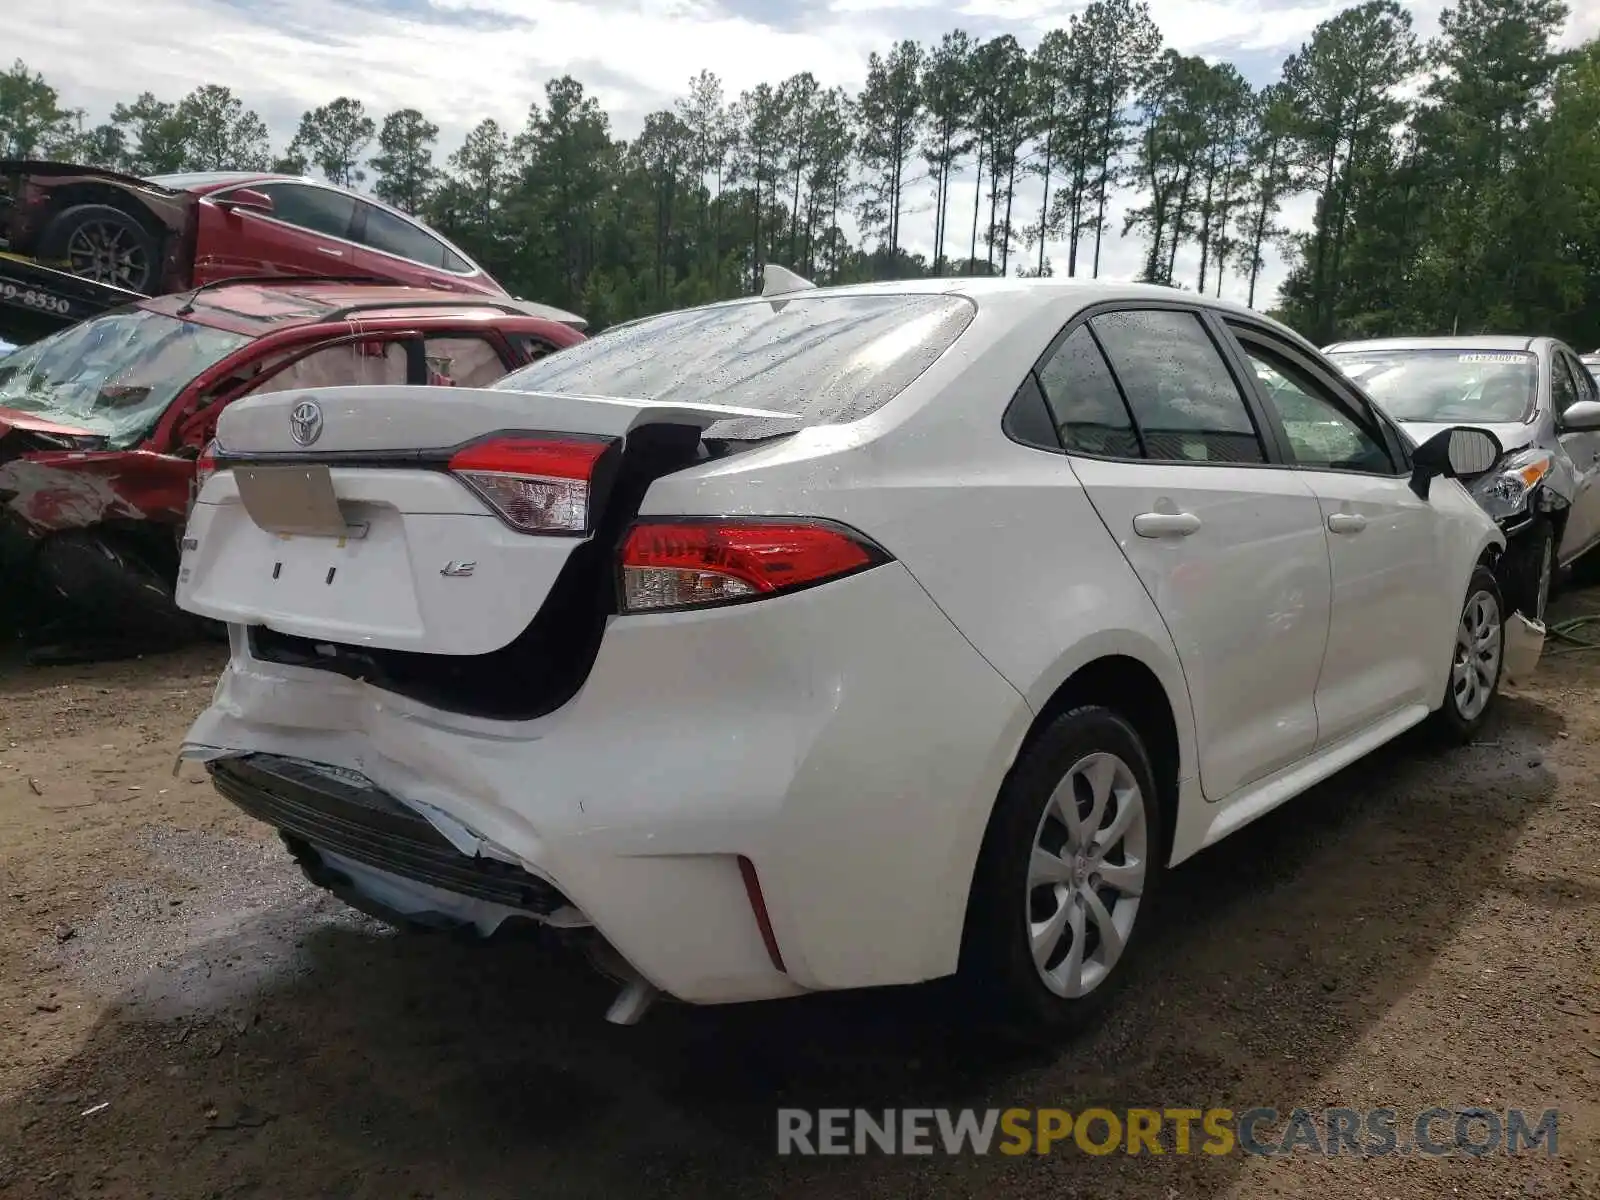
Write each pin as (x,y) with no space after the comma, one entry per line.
(168,216)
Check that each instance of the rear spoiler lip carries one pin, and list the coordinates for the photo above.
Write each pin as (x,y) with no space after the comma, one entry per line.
(548,312)
(556,414)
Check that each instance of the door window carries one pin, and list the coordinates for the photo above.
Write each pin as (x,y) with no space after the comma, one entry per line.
(320,210)
(1321,431)
(395,235)
(340,366)
(532,347)
(1185,401)
(463,361)
(1563,388)
(1084,401)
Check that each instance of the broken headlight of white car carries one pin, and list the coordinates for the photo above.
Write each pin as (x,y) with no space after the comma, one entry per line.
(1504,491)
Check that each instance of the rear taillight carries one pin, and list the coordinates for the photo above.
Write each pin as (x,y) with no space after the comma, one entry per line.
(692,564)
(205,466)
(534,485)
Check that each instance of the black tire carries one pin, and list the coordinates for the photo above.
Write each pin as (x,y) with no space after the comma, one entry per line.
(1457,721)
(1535,571)
(99,242)
(998,968)
(105,586)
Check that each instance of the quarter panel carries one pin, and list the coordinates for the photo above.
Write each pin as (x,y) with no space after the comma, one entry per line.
(1001,536)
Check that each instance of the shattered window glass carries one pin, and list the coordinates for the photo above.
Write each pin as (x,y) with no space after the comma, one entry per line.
(115,375)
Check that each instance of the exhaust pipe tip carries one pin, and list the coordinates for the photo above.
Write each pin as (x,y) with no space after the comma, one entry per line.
(637,994)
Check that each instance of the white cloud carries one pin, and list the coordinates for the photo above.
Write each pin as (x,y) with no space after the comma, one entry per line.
(462,60)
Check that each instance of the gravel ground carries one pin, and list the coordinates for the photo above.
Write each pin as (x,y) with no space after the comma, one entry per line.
(182,1016)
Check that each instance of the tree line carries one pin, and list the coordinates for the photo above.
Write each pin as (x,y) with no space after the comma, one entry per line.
(1455,182)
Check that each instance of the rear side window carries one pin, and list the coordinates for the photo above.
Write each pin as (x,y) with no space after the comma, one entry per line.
(1084,399)
(397,236)
(1586,377)
(1184,398)
(826,359)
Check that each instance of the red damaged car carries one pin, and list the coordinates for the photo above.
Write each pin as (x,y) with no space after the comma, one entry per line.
(171,232)
(103,424)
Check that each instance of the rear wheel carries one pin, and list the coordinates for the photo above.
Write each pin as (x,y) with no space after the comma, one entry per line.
(1069,865)
(104,244)
(1475,663)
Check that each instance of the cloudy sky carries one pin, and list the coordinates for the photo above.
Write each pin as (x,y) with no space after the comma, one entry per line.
(462,60)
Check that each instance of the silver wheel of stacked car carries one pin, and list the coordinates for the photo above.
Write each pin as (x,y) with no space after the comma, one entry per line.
(105,244)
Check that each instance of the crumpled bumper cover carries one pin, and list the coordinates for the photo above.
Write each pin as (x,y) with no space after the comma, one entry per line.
(846,741)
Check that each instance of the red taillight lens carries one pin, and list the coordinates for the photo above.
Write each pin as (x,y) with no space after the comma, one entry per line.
(205,466)
(535,485)
(691,564)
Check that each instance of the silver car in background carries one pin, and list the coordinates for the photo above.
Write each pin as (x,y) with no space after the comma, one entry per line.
(1592,361)
(1541,401)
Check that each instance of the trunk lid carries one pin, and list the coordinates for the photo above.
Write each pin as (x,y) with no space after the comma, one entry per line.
(335,516)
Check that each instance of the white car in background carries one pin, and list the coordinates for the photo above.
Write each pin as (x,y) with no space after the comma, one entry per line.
(832,638)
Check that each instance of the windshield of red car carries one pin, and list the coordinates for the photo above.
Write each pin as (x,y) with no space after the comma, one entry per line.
(114,375)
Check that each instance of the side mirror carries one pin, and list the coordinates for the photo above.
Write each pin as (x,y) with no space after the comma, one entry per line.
(1460,452)
(1582,417)
(245,198)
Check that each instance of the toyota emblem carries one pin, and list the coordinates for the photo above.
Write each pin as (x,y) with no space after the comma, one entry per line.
(305,422)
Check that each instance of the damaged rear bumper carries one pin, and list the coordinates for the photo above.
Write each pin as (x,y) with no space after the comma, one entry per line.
(343,821)
(716,802)
(385,859)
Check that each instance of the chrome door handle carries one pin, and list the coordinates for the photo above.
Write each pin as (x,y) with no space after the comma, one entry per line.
(1160,524)
(330,250)
(1346,522)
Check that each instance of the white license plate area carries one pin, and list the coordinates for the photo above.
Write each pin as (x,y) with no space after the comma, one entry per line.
(344,588)
(297,501)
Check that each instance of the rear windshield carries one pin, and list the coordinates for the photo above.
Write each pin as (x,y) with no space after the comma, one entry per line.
(1445,385)
(826,359)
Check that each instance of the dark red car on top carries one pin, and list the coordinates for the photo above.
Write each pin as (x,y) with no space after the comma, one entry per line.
(103,423)
(171,232)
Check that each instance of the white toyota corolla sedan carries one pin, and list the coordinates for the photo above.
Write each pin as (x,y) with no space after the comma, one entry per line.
(832,637)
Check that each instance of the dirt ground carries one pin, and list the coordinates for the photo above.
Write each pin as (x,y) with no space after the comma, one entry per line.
(181,1016)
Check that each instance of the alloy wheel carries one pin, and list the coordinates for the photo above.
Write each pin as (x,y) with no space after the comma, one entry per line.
(1477,658)
(1086,874)
(106,253)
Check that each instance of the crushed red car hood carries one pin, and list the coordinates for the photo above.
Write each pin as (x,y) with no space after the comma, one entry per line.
(11,418)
